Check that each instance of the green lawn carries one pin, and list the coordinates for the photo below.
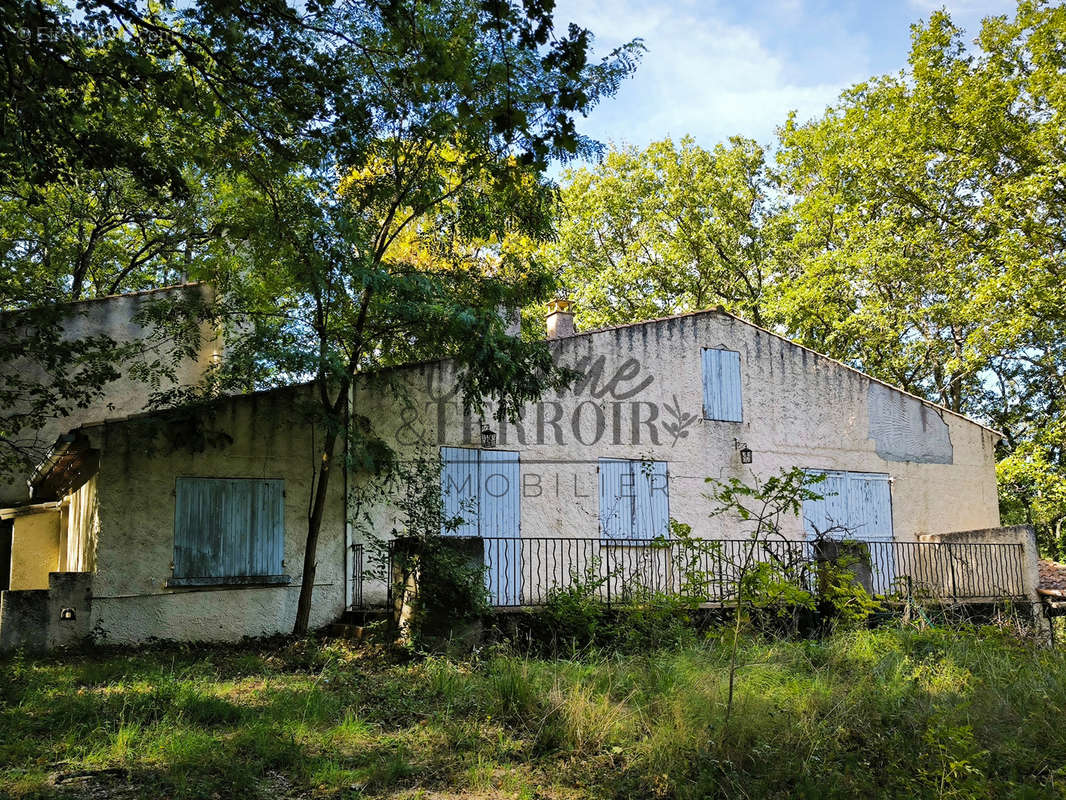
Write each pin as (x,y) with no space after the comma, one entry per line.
(890,712)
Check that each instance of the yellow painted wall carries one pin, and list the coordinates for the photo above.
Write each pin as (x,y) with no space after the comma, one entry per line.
(34,549)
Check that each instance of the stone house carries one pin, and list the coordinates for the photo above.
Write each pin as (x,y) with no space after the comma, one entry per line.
(193,528)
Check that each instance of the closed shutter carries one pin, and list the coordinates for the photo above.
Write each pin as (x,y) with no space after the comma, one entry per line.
(651,516)
(831,510)
(721,385)
(482,488)
(616,499)
(869,506)
(229,527)
(498,481)
(459,491)
(634,499)
(858,505)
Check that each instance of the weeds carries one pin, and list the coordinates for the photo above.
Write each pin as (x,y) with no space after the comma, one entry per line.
(894,712)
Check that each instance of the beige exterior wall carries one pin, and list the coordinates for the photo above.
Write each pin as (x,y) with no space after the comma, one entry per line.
(110,316)
(79,529)
(799,410)
(642,398)
(34,549)
(257,436)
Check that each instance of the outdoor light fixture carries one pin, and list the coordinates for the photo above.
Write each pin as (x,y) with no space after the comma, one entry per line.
(488,438)
(67,614)
(745,451)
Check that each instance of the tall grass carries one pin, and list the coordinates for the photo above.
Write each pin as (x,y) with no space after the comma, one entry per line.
(886,713)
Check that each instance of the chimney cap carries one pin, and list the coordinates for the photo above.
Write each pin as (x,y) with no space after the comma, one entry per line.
(560,320)
(560,305)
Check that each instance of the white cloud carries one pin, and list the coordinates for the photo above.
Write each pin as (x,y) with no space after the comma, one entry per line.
(701,75)
(715,68)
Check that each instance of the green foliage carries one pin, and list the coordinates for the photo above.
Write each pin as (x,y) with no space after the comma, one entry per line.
(923,251)
(450,586)
(575,612)
(910,231)
(839,587)
(438,580)
(345,173)
(664,230)
(889,713)
(380,242)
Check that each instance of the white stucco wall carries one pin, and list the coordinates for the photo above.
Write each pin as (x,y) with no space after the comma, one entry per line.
(799,409)
(267,438)
(113,317)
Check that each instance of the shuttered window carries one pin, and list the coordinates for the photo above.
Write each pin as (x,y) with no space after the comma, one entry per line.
(229,530)
(854,505)
(721,385)
(857,505)
(634,499)
(479,489)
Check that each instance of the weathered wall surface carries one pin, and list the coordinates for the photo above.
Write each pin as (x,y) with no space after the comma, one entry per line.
(57,615)
(1019,573)
(34,549)
(642,397)
(256,436)
(113,317)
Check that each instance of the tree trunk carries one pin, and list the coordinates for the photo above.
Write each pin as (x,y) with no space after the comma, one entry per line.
(314,526)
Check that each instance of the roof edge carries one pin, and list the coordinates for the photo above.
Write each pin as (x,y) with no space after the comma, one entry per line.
(721,311)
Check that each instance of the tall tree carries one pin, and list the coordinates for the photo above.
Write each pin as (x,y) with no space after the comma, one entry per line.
(928,245)
(109,116)
(666,229)
(382,238)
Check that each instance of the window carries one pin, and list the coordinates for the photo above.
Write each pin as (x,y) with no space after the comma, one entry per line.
(854,505)
(229,531)
(857,505)
(721,385)
(480,490)
(634,499)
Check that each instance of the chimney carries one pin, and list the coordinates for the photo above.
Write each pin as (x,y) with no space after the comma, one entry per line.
(560,319)
(512,321)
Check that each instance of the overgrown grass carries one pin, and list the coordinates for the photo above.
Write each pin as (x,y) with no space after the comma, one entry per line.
(888,713)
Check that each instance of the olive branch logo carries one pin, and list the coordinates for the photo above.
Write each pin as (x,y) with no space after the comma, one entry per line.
(681,421)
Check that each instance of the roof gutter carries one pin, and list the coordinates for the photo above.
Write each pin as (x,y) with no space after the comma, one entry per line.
(57,451)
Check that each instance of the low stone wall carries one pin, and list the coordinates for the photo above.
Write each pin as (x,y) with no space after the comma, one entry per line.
(45,619)
(1023,535)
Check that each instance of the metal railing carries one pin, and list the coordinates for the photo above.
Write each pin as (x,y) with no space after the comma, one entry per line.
(526,571)
(358,571)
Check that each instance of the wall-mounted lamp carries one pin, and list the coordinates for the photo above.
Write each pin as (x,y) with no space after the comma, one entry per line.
(488,438)
(67,614)
(745,451)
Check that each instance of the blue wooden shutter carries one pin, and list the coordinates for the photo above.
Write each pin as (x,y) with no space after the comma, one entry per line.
(651,517)
(859,505)
(498,489)
(500,524)
(228,527)
(821,516)
(869,506)
(617,499)
(721,385)
(870,518)
(459,490)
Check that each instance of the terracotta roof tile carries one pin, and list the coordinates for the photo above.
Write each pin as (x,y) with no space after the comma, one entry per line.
(1052,575)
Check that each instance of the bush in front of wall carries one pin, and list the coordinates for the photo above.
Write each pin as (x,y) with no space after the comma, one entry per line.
(439,591)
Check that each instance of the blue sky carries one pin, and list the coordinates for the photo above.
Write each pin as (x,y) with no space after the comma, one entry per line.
(723,67)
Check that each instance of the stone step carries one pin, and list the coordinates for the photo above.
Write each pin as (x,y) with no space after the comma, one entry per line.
(341,630)
(364,616)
